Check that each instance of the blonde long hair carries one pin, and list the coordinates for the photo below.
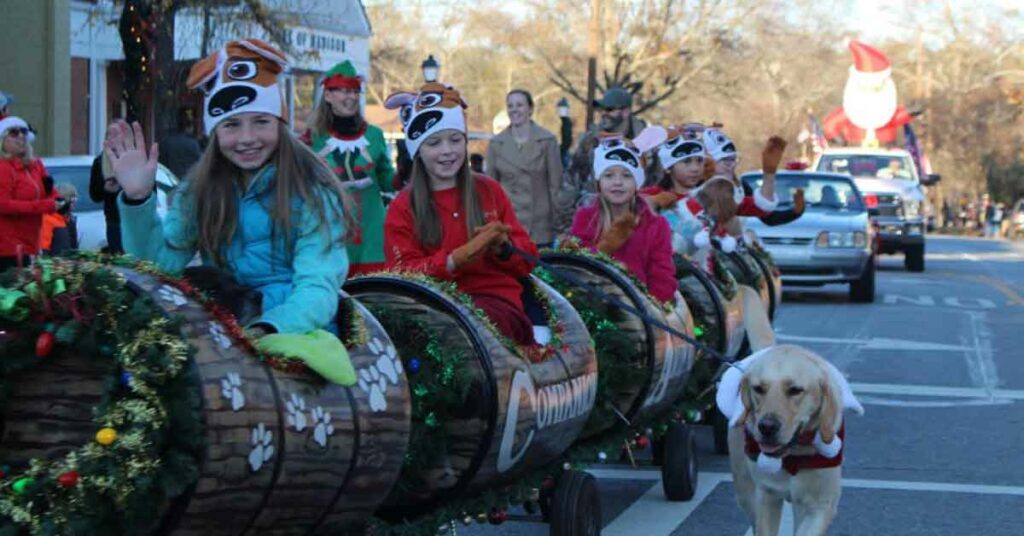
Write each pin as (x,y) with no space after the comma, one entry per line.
(29,155)
(299,174)
(427,222)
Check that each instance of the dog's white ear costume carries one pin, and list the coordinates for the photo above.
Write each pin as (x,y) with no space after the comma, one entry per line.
(730,403)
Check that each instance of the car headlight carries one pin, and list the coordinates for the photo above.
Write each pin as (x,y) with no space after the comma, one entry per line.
(911,209)
(838,239)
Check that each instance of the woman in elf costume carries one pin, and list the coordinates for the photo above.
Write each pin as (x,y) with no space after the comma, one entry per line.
(454,225)
(358,154)
(619,222)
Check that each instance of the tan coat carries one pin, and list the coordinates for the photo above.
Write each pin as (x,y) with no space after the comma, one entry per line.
(531,176)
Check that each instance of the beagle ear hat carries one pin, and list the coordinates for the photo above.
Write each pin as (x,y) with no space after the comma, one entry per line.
(437,107)
(241,77)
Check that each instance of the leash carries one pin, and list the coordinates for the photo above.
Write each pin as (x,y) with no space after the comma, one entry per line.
(616,302)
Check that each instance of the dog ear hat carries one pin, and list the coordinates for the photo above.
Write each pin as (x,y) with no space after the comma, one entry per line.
(619,151)
(240,77)
(436,107)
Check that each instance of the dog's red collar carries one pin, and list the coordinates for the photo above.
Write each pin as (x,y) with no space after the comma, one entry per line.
(793,464)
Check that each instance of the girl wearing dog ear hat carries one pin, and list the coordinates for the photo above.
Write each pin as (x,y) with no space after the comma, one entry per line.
(620,223)
(259,204)
(681,158)
(452,224)
(358,154)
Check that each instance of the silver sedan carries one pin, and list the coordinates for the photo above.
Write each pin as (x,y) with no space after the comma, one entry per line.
(833,242)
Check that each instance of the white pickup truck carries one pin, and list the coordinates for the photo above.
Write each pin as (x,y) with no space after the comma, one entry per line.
(893,193)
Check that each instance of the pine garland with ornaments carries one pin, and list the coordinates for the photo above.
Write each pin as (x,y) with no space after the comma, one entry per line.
(148,440)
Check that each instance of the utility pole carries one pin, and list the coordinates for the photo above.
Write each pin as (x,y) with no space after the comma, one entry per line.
(593,49)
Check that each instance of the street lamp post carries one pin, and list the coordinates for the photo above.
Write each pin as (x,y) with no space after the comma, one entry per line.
(563,113)
(431,67)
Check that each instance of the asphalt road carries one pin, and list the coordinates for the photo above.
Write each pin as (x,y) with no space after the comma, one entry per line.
(937,363)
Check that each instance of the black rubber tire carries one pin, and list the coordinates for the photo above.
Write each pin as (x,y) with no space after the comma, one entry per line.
(576,506)
(658,452)
(720,431)
(863,290)
(679,472)
(913,258)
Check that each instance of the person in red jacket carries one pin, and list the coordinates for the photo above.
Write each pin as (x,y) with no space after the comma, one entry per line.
(621,224)
(26,193)
(452,224)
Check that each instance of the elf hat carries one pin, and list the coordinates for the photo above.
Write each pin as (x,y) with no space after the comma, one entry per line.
(438,107)
(718,145)
(343,76)
(241,77)
(619,151)
(678,147)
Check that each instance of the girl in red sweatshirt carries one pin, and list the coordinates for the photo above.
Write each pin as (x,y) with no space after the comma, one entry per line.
(620,223)
(451,224)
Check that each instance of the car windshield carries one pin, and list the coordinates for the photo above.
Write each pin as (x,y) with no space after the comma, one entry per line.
(821,192)
(883,167)
(77,175)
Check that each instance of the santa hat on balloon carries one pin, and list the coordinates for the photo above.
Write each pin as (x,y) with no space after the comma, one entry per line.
(869,63)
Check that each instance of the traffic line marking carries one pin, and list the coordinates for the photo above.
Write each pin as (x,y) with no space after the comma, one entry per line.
(936,391)
(657,515)
(660,517)
(879,343)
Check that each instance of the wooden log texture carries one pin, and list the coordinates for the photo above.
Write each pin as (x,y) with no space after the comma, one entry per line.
(666,359)
(485,446)
(285,453)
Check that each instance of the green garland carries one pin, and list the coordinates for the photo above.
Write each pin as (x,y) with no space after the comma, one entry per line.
(439,381)
(532,355)
(616,354)
(573,246)
(148,441)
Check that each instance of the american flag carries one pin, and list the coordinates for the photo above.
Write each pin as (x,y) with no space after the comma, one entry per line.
(818,140)
(913,147)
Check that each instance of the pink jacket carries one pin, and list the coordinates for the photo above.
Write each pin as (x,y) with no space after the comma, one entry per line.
(647,253)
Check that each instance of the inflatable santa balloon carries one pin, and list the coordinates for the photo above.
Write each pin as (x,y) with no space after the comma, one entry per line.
(870,113)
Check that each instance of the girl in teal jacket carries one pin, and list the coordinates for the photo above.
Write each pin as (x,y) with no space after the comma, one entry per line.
(258,205)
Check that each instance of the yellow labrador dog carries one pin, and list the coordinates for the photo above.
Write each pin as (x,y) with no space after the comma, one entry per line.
(786,406)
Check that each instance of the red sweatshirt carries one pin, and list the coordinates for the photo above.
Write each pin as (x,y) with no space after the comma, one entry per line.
(23,201)
(647,253)
(488,275)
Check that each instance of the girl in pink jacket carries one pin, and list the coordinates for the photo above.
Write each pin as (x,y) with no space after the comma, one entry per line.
(620,223)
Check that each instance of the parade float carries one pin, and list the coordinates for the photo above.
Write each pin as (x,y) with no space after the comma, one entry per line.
(134,404)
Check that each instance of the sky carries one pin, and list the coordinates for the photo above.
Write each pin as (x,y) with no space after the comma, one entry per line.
(881,20)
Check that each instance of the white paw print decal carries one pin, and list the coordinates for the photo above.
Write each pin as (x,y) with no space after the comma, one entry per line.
(170,294)
(323,429)
(375,378)
(296,407)
(217,332)
(262,447)
(231,389)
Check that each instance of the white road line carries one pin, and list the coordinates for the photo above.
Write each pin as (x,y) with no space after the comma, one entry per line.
(936,391)
(658,516)
(854,483)
(879,343)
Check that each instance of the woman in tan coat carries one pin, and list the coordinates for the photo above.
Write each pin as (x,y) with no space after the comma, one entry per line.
(525,159)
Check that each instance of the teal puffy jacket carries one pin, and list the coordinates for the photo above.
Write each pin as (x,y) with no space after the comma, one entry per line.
(298,296)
